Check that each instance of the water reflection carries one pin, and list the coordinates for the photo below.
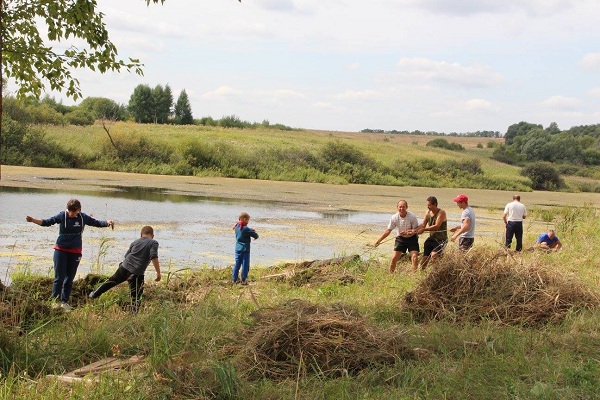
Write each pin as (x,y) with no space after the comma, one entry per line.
(193,231)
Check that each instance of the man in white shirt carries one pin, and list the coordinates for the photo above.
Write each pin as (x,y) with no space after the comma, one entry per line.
(407,239)
(514,214)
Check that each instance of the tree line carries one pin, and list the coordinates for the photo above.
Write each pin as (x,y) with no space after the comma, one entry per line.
(546,153)
(488,134)
(146,105)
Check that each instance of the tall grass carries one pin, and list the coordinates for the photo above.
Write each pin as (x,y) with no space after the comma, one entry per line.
(190,321)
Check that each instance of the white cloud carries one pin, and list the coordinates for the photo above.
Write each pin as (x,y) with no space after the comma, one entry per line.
(590,61)
(478,105)
(359,95)
(563,103)
(469,7)
(325,105)
(353,66)
(223,92)
(426,70)
(595,92)
(277,5)
(281,94)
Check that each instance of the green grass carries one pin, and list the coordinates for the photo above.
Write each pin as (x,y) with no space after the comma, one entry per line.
(190,322)
(397,160)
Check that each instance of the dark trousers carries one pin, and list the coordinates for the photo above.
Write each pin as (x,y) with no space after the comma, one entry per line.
(514,228)
(65,268)
(136,284)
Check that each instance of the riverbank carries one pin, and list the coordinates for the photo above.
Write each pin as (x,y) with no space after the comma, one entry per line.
(304,196)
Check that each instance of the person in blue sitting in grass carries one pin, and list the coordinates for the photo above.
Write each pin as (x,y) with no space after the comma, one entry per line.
(243,236)
(140,254)
(548,241)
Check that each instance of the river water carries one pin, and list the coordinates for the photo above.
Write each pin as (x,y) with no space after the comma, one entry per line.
(193,232)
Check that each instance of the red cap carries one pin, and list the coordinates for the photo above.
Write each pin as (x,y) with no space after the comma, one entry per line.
(461,198)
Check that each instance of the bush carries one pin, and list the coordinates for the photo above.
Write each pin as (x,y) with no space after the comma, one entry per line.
(445,144)
(339,152)
(79,117)
(543,176)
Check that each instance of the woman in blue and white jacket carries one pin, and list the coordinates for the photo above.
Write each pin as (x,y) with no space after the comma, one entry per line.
(68,246)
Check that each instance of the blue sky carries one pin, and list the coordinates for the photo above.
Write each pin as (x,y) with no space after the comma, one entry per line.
(346,65)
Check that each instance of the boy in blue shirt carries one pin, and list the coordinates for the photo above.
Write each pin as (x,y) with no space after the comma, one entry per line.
(243,236)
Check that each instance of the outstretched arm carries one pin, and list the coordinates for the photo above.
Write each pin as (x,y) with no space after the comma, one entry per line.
(383,236)
(34,220)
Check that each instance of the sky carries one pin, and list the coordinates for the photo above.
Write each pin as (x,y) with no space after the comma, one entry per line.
(347,65)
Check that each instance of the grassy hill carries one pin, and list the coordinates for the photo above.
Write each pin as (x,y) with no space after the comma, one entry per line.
(288,155)
(299,155)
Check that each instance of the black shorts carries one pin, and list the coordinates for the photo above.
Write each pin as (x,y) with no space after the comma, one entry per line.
(432,245)
(410,243)
(465,244)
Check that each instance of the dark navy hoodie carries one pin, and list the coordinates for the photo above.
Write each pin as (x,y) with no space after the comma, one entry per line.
(71,229)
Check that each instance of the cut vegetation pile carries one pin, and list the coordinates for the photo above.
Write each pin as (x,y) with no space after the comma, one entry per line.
(298,338)
(495,285)
(319,272)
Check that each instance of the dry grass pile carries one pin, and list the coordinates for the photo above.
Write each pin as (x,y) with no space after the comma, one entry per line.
(299,338)
(496,285)
(319,272)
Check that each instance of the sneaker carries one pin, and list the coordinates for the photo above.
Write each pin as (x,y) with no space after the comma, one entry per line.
(56,305)
(66,306)
(244,282)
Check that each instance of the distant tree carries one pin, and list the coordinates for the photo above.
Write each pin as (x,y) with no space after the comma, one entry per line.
(585,130)
(58,106)
(208,121)
(543,176)
(162,100)
(231,121)
(522,128)
(183,109)
(535,148)
(553,129)
(103,108)
(141,104)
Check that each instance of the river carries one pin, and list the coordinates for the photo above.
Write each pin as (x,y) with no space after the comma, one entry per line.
(193,231)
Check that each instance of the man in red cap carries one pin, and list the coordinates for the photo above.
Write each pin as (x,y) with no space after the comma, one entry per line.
(465,232)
